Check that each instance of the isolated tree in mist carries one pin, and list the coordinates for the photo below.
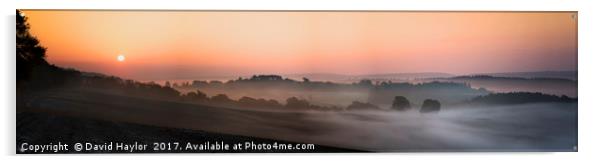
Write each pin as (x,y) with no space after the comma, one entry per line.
(29,51)
(430,105)
(401,103)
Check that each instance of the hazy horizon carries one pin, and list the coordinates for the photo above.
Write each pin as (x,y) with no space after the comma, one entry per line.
(225,77)
(189,44)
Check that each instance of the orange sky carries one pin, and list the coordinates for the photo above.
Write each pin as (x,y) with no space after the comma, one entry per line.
(161,45)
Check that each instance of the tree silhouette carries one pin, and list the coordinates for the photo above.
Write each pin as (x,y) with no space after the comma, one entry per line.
(29,51)
(430,105)
(401,103)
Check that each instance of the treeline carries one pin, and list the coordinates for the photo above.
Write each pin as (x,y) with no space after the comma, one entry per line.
(279,81)
(519,98)
(249,102)
(377,92)
(400,103)
(48,77)
(272,81)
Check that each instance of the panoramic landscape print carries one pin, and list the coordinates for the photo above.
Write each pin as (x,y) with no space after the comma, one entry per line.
(103,81)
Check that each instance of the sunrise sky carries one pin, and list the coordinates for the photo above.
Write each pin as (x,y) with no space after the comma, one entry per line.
(160,45)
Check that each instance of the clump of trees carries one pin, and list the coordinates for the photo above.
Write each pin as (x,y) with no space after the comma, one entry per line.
(195,96)
(295,103)
(361,105)
(430,105)
(249,102)
(259,103)
(401,103)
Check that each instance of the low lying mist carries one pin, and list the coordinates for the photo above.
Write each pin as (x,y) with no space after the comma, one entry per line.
(530,127)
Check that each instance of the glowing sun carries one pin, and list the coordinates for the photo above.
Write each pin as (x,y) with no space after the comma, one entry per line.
(120,58)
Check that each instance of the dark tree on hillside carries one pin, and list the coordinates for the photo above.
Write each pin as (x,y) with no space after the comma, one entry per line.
(29,51)
(401,103)
(430,105)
